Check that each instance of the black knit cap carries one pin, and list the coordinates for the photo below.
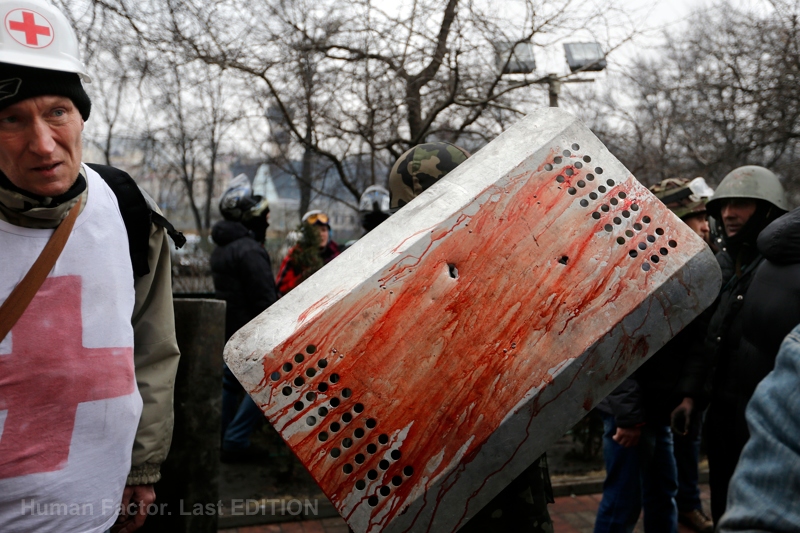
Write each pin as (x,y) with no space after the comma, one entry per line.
(18,83)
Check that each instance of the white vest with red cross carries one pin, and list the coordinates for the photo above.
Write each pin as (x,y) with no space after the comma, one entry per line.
(69,405)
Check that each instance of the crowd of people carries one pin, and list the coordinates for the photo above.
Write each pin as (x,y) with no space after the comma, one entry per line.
(696,387)
(88,353)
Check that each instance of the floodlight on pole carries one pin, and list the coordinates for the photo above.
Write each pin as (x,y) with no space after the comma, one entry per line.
(518,58)
(585,57)
(514,58)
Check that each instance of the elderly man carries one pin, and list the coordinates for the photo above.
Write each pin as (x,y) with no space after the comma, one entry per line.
(87,343)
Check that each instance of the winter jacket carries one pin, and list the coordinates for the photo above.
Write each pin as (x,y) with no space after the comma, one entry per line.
(763,307)
(676,371)
(290,276)
(772,307)
(242,274)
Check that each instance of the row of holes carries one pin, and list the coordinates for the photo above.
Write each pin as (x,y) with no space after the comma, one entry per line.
(346,418)
(322,387)
(581,184)
(358,433)
(372,449)
(613,201)
(361,458)
(299,358)
(605,208)
(566,153)
(311,420)
(408,471)
(609,228)
(672,243)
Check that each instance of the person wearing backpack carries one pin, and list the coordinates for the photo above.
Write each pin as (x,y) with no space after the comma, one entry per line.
(88,353)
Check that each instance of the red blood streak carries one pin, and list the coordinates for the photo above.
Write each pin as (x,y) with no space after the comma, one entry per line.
(447,359)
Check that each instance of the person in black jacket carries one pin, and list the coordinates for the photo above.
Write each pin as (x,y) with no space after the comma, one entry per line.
(637,441)
(243,278)
(746,201)
(772,307)
(763,491)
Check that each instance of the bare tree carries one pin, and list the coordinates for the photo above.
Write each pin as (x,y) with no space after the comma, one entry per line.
(721,95)
(195,115)
(357,84)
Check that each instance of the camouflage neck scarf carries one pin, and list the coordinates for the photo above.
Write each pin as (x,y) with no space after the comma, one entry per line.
(28,210)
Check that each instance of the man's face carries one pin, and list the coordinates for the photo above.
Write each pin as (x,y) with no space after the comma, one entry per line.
(324,235)
(699,224)
(735,214)
(40,144)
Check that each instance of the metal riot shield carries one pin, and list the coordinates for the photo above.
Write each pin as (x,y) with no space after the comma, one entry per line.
(417,374)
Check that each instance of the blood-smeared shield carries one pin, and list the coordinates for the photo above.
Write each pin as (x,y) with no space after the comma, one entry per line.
(421,371)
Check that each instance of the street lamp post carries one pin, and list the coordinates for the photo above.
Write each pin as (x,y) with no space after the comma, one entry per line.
(517,58)
(553,82)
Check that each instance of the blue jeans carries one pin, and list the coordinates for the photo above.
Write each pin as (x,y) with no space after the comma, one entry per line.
(687,457)
(239,419)
(640,476)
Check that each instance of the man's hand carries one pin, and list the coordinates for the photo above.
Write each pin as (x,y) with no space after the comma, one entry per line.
(135,500)
(627,437)
(681,416)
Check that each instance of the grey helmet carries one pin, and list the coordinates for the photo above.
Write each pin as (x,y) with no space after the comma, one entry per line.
(374,198)
(373,207)
(751,182)
(238,202)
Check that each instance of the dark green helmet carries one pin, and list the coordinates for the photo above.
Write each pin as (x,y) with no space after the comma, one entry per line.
(683,197)
(419,168)
(750,182)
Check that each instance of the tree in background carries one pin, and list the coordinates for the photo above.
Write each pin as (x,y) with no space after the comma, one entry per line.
(355,84)
(165,118)
(720,95)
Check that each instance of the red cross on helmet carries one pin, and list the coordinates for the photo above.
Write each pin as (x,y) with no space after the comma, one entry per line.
(35,34)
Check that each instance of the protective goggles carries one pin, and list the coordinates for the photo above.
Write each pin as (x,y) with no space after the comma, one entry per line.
(318,218)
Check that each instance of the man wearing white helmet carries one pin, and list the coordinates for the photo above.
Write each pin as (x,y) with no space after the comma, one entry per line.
(87,340)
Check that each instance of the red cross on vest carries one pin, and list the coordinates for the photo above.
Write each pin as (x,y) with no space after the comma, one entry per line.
(47,374)
(30,28)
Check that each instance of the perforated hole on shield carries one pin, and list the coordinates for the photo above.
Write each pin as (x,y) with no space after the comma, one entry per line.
(576,176)
(659,250)
(305,373)
(395,473)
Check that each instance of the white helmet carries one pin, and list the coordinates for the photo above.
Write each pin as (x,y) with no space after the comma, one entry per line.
(36,34)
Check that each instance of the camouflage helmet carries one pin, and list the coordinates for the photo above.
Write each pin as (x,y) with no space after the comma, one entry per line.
(238,202)
(751,182)
(419,168)
(683,197)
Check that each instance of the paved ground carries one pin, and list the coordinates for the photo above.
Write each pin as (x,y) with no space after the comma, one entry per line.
(570,514)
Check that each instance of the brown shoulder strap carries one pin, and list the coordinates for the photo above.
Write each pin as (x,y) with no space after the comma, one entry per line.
(23,293)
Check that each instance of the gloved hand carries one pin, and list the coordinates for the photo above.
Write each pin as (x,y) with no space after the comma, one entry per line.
(681,417)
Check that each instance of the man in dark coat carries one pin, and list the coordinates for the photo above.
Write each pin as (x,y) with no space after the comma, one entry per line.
(746,201)
(763,492)
(243,278)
